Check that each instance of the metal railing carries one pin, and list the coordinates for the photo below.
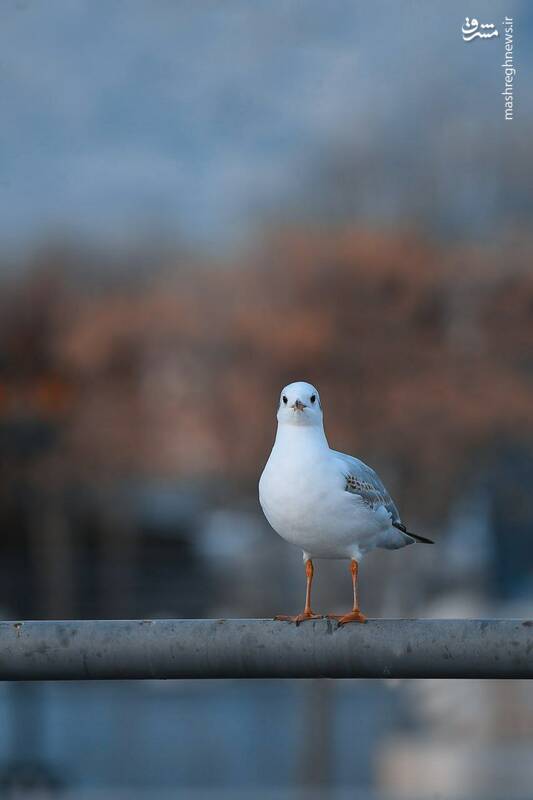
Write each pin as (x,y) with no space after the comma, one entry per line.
(256,648)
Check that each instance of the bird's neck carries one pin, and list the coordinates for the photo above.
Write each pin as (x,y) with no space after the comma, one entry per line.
(304,437)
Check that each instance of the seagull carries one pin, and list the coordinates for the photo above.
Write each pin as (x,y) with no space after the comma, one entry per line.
(329,504)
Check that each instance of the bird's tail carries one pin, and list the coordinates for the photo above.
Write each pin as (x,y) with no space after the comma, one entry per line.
(415,536)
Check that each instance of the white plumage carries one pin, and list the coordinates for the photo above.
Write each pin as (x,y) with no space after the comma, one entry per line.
(329,504)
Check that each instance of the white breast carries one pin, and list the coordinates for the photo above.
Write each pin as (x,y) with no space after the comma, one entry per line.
(302,493)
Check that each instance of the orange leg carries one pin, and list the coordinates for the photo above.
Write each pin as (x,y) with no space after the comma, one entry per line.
(306,613)
(355,615)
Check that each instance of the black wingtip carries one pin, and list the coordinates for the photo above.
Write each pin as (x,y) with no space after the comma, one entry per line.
(415,536)
(420,539)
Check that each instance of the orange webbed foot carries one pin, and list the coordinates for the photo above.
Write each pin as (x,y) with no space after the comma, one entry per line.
(353,616)
(297,618)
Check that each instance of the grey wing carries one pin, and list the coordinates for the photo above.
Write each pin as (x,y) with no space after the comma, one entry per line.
(364,481)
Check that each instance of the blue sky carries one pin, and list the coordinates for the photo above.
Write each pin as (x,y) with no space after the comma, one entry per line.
(199,120)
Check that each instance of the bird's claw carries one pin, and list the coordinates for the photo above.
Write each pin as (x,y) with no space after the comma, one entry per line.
(353,616)
(297,618)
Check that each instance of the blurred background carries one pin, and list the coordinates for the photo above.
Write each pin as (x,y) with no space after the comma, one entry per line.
(202,201)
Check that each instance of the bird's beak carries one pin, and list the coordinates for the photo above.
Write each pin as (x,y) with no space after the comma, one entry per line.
(299,406)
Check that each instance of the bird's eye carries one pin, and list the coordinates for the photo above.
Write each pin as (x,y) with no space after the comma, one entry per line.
(285,400)
(313,398)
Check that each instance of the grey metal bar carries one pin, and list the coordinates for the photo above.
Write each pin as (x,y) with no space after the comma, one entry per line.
(255,648)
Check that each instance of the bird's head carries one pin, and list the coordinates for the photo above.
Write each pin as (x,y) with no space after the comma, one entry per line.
(299,404)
